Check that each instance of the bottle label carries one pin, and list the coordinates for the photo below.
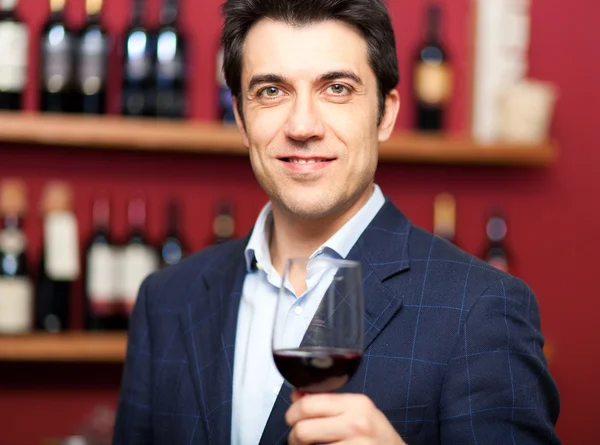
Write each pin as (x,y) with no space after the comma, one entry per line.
(61,246)
(12,242)
(14,42)
(92,68)
(433,83)
(16,305)
(100,279)
(137,262)
(57,69)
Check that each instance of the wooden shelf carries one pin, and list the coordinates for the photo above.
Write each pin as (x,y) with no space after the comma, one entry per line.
(68,347)
(116,132)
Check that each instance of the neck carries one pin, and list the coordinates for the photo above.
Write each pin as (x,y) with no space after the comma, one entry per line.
(294,237)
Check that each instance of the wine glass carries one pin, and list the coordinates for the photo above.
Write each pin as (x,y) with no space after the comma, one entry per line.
(318,330)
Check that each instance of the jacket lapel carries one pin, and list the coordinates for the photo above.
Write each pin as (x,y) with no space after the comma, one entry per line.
(209,326)
(382,251)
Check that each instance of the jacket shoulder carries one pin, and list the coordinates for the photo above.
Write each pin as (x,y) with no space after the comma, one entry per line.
(450,274)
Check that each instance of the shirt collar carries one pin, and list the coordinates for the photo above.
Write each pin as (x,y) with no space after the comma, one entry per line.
(257,249)
(339,245)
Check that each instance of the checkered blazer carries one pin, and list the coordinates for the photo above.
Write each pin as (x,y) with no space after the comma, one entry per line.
(453,347)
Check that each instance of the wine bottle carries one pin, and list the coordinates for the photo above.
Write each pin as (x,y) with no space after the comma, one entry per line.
(138,258)
(496,252)
(226,112)
(444,217)
(16,289)
(138,80)
(170,65)
(223,224)
(92,53)
(14,42)
(102,310)
(59,265)
(58,67)
(173,247)
(432,76)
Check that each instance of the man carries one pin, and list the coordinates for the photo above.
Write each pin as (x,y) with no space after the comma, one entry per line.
(453,346)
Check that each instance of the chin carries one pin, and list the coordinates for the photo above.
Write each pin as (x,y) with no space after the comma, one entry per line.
(310,208)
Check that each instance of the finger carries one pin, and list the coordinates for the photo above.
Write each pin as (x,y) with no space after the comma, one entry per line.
(322,430)
(315,405)
(297,395)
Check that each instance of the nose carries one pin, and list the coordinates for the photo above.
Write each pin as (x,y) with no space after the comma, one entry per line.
(304,122)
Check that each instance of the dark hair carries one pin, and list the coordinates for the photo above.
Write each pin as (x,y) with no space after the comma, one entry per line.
(370,17)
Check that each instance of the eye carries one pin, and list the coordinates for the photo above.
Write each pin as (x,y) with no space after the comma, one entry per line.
(338,89)
(269,92)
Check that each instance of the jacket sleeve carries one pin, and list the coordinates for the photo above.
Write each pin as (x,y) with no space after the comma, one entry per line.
(498,388)
(133,419)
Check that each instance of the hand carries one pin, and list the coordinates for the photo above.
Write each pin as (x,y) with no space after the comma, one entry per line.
(339,419)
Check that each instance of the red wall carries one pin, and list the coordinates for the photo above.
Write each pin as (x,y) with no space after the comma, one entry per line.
(552,212)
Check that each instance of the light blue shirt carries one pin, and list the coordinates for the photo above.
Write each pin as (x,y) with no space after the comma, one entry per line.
(256,381)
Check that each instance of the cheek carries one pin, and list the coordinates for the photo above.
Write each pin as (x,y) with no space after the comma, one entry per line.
(263,124)
(357,133)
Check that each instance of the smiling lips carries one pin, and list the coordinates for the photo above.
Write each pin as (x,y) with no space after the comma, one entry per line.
(306,163)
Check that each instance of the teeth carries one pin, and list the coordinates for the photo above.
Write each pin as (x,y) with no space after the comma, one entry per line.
(304,161)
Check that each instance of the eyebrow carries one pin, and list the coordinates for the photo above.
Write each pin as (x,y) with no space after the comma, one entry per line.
(327,77)
(334,75)
(265,78)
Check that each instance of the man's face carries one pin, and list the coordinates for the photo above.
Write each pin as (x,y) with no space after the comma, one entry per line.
(310,104)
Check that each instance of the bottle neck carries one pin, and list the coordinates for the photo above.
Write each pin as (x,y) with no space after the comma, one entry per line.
(136,215)
(137,13)
(12,222)
(101,214)
(432,28)
(173,219)
(168,14)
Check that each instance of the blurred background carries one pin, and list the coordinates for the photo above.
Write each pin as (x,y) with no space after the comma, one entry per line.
(117,157)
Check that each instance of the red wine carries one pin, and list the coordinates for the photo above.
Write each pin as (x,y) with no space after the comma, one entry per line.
(59,259)
(138,258)
(138,64)
(317,369)
(57,64)
(102,310)
(16,289)
(171,61)
(92,50)
(14,38)
(432,76)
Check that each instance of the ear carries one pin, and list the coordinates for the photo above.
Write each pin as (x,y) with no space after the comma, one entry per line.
(240,123)
(388,122)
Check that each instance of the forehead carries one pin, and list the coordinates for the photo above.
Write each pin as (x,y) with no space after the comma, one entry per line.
(307,50)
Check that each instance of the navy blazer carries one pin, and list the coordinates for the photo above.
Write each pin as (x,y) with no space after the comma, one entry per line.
(453,347)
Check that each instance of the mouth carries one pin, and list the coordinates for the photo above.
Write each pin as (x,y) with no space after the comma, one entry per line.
(306,164)
(306,160)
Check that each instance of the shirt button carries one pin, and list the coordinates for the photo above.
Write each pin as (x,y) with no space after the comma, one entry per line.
(258,266)
(297,310)
(276,390)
